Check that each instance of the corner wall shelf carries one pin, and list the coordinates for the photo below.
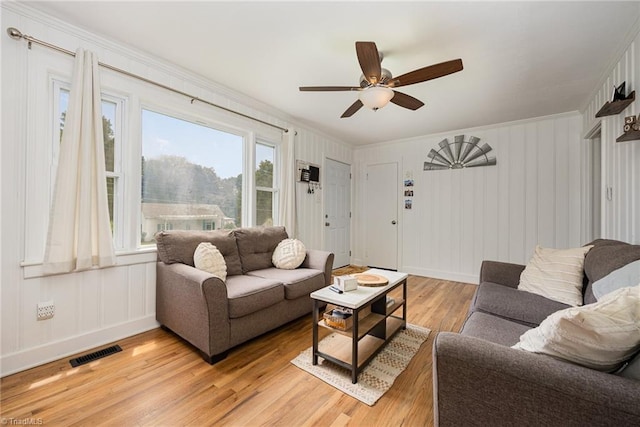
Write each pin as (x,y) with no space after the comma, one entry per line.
(629,136)
(616,107)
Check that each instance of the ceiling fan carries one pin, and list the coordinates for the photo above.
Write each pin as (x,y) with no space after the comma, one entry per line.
(377,84)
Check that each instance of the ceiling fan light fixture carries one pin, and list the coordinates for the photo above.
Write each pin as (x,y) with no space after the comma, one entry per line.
(376,97)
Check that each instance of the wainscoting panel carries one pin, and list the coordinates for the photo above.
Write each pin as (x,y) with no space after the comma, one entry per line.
(461,217)
(620,160)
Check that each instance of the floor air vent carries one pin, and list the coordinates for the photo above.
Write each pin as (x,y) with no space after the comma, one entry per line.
(88,358)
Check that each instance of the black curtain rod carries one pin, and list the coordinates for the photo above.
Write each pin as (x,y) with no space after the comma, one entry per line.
(16,34)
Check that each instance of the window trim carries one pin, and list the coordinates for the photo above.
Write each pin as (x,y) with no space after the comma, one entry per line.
(191,117)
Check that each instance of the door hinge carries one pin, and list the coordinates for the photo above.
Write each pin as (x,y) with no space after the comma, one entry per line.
(349,253)
(349,214)
(349,176)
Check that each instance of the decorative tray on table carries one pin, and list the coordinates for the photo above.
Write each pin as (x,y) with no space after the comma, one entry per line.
(371,280)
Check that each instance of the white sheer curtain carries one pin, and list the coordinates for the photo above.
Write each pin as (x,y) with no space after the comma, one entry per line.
(287,199)
(79,234)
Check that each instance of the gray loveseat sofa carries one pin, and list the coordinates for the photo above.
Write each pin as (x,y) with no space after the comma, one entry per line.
(216,315)
(480,381)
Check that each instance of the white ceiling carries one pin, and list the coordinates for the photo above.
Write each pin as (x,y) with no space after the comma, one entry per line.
(521,60)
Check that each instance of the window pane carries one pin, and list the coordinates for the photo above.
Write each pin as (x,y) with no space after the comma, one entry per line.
(264,165)
(265,155)
(64,102)
(111,185)
(191,176)
(264,208)
(108,123)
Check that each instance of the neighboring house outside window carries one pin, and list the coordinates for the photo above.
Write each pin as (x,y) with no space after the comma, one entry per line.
(181,216)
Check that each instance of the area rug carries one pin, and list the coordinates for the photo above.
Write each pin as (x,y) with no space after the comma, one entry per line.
(378,376)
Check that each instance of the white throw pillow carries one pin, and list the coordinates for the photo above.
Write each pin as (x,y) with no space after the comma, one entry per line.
(555,274)
(289,254)
(208,258)
(623,277)
(600,336)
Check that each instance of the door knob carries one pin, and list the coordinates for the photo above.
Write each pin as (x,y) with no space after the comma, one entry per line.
(326,224)
(393,222)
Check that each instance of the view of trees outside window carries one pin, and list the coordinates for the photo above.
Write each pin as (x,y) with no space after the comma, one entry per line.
(191,176)
(108,122)
(264,184)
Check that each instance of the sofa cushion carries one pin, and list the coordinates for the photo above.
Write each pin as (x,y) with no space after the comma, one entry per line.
(555,274)
(624,277)
(248,294)
(601,336)
(256,246)
(494,329)
(297,283)
(289,254)
(605,257)
(520,306)
(180,245)
(632,369)
(208,258)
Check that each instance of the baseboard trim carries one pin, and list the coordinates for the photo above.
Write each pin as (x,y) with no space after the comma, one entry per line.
(36,356)
(439,274)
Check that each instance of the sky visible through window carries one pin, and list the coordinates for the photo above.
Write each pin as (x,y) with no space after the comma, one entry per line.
(165,135)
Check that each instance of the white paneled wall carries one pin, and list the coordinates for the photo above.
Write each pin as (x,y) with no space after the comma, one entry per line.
(461,217)
(315,148)
(98,306)
(620,160)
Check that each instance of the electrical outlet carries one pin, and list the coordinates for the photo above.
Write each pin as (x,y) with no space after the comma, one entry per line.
(46,310)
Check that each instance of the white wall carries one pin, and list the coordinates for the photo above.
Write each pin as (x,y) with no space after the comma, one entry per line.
(461,217)
(620,160)
(315,148)
(98,306)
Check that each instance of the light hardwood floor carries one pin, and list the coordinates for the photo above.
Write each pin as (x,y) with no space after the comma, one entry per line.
(158,380)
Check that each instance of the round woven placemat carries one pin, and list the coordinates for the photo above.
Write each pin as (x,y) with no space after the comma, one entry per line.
(371,280)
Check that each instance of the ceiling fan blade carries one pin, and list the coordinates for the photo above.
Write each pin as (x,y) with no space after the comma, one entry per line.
(427,73)
(328,88)
(369,61)
(351,110)
(406,101)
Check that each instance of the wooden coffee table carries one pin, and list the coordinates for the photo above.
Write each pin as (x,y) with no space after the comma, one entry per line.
(358,345)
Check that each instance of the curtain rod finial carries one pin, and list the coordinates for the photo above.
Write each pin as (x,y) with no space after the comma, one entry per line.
(14,33)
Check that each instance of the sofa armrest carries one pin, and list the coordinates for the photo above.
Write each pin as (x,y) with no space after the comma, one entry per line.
(319,260)
(502,273)
(477,382)
(193,304)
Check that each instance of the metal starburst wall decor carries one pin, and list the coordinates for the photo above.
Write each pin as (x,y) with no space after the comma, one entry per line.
(459,154)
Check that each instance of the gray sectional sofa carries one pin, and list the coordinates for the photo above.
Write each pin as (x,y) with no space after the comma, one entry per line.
(479,380)
(215,315)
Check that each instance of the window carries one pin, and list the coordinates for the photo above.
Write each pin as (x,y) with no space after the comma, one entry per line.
(112,130)
(265,188)
(191,175)
(164,226)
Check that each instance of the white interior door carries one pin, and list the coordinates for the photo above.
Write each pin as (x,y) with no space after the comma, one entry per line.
(337,218)
(382,216)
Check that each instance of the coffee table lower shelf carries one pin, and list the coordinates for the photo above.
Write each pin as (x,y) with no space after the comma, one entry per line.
(339,350)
